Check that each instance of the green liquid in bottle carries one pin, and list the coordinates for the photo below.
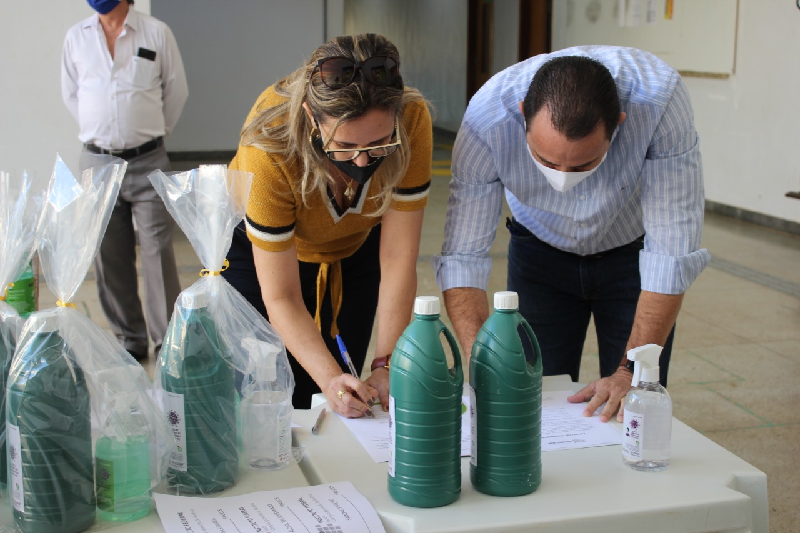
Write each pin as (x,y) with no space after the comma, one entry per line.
(122,477)
(22,296)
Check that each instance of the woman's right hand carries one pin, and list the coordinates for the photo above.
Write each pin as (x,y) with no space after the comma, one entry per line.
(349,396)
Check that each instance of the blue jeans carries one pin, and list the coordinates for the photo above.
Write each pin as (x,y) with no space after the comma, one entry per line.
(559,292)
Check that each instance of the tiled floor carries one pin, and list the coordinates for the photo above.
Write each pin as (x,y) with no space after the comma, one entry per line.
(736,362)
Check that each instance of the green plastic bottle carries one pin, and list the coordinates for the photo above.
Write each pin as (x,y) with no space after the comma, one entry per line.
(200,400)
(425,412)
(8,343)
(506,404)
(22,296)
(49,436)
(122,463)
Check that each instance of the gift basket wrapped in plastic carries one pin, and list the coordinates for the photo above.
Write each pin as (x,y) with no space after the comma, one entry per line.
(223,374)
(86,441)
(21,201)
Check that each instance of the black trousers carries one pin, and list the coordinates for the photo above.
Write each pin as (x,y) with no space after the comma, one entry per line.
(559,292)
(361,276)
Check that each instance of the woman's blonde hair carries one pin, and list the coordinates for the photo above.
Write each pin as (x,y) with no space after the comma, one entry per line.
(285,129)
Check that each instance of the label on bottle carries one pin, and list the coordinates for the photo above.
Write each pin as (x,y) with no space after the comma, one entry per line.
(173,410)
(104,483)
(14,447)
(473,415)
(392,436)
(284,438)
(633,429)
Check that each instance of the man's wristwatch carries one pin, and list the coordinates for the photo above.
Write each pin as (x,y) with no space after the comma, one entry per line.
(629,366)
(379,362)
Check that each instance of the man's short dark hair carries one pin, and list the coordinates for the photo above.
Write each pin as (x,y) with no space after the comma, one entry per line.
(579,92)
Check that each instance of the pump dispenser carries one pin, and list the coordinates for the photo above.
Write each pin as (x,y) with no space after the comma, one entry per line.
(122,461)
(647,426)
(266,411)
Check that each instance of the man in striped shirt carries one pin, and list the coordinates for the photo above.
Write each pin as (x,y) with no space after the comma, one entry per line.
(596,152)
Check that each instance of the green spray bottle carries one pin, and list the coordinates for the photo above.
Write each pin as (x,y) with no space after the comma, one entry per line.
(425,412)
(506,404)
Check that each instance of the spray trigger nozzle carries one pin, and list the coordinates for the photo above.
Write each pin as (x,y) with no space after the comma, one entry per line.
(645,366)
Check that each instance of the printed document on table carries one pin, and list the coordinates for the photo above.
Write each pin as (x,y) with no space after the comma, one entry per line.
(565,427)
(373,433)
(330,507)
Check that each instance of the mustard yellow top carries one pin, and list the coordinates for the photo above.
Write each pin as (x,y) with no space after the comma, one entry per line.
(277,218)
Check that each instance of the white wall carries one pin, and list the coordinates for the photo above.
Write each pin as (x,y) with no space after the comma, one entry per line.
(34,123)
(431,36)
(505,48)
(749,124)
(232,51)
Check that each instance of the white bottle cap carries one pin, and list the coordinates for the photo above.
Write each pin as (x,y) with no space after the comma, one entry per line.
(426,305)
(506,300)
(193,300)
(43,321)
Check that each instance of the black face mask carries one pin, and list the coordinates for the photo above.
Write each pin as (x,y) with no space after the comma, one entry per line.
(357,173)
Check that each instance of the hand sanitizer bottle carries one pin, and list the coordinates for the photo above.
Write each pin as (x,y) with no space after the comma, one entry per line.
(647,426)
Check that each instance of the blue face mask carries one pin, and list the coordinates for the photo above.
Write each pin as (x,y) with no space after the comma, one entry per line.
(103,6)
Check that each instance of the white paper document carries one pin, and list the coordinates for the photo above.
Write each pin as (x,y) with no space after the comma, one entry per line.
(373,433)
(564,426)
(334,507)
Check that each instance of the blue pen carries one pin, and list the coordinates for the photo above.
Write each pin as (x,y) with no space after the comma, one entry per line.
(349,363)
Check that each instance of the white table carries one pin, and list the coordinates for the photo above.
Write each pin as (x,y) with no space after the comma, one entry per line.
(706,488)
(250,481)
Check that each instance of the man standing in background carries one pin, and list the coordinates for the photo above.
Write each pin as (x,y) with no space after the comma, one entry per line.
(122,79)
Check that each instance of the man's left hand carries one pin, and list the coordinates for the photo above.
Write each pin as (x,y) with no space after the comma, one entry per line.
(379,379)
(611,390)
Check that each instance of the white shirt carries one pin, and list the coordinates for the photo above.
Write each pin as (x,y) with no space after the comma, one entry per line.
(128,100)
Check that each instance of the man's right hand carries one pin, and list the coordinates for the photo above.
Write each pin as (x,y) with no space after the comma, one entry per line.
(467,309)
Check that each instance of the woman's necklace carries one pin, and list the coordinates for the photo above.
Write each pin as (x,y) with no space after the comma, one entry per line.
(349,193)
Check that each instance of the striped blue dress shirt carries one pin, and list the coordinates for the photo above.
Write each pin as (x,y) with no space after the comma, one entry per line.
(651,182)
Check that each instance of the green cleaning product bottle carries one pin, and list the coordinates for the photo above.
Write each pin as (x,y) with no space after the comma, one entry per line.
(22,296)
(49,435)
(199,385)
(425,412)
(122,462)
(506,404)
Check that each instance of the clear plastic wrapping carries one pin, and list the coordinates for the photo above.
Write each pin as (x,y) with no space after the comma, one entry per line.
(86,441)
(21,200)
(223,374)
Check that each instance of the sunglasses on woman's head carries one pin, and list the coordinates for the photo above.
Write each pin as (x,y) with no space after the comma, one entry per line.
(337,72)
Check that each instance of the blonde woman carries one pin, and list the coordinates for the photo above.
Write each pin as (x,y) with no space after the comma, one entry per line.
(341,152)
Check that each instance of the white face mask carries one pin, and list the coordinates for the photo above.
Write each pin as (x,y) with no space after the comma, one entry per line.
(564,181)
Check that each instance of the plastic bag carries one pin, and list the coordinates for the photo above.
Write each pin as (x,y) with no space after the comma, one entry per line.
(21,201)
(223,374)
(86,441)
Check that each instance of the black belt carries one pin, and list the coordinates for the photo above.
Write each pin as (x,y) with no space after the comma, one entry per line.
(127,153)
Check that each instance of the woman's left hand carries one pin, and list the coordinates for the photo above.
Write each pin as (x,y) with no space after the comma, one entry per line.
(379,379)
